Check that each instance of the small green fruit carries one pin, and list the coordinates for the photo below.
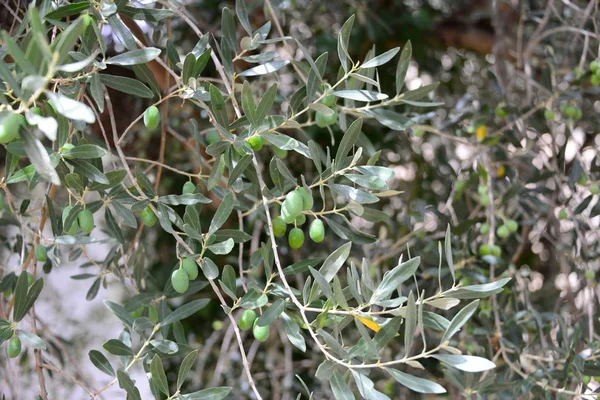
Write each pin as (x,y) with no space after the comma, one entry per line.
(279,227)
(36,110)
(300,220)
(549,114)
(40,253)
(86,220)
(261,333)
(590,275)
(14,347)
(256,142)
(496,251)
(595,80)
(418,132)
(482,189)
(562,214)
(485,228)
(485,250)
(594,188)
(326,120)
(307,199)
(29,278)
(148,217)
(247,320)
(188,188)
(151,117)
(212,136)
(459,186)
(484,199)
(500,112)
(69,230)
(594,66)
(286,216)
(586,379)
(296,238)
(293,204)
(512,225)
(10,123)
(328,100)
(190,267)
(503,232)
(317,231)
(180,280)
(280,152)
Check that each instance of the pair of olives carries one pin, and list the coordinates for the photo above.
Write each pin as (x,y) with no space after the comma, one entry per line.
(249,320)
(181,277)
(486,249)
(503,231)
(84,221)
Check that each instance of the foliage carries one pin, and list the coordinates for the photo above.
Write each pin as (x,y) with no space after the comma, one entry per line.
(275,200)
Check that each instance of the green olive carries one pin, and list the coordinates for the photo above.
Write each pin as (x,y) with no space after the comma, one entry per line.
(212,136)
(500,112)
(247,320)
(326,120)
(317,231)
(300,220)
(549,114)
(594,188)
(496,251)
(562,214)
(151,117)
(36,110)
(485,228)
(286,216)
(148,217)
(503,232)
(279,227)
(482,189)
(188,188)
(14,347)
(40,253)
(484,199)
(328,100)
(590,275)
(66,147)
(293,204)
(256,142)
(29,278)
(69,230)
(190,267)
(594,66)
(9,127)
(180,280)
(512,225)
(595,80)
(296,238)
(261,333)
(280,152)
(485,250)
(86,220)
(307,199)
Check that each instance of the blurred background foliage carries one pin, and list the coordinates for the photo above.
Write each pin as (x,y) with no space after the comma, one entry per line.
(501,65)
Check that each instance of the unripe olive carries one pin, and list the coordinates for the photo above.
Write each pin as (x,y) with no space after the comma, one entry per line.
(485,228)
(29,278)
(151,117)
(549,114)
(328,100)
(500,112)
(595,80)
(148,217)
(212,136)
(594,188)
(590,275)
(485,250)
(496,251)
(280,152)
(247,320)
(512,225)
(69,230)
(286,216)
(261,333)
(296,238)
(586,379)
(180,280)
(86,220)
(9,127)
(66,147)
(190,267)
(326,120)
(459,186)
(300,220)
(482,189)
(307,199)
(36,110)
(562,214)
(188,188)
(40,253)
(256,142)
(293,204)
(484,199)
(594,66)
(317,231)
(418,132)
(503,232)
(279,227)
(14,347)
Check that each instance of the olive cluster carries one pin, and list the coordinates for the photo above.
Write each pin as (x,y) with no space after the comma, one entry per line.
(181,277)
(295,203)
(83,222)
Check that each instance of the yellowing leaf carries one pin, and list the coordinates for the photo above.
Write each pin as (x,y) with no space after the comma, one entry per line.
(369,323)
(481,132)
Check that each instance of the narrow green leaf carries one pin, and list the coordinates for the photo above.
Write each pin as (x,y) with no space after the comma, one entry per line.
(158,375)
(264,69)
(410,323)
(222,214)
(394,278)
(215,393)
(342,44)
(360,95)
(134,57)
(217,105)
(117,347)
(334,261)
(465,363)
(381,59)
(120,312)
(101,362)
(339,387)
(68,10)
(126,85)
(185,367)
(184,311)
(127,384)
(417,384)
(271,313)
(348,141)
(31,340)
(459,320)
(402,67)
